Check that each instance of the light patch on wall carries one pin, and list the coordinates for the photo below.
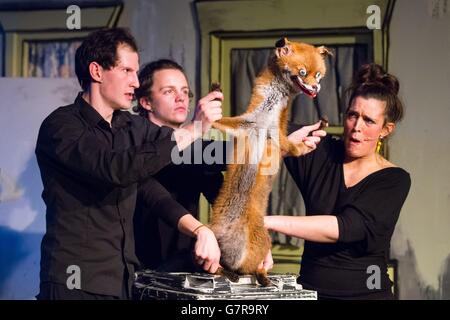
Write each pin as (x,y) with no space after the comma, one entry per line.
(21,217)
(438,8)
(9,189)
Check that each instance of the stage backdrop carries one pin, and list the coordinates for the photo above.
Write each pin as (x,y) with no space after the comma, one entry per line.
(24,103)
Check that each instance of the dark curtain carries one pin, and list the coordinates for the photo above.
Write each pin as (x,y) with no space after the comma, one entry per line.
(246,64)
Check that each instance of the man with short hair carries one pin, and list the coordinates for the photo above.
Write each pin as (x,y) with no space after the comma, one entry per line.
(91,156)
(165,227)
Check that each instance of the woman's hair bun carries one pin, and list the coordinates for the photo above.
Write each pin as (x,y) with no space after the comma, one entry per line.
(374,75)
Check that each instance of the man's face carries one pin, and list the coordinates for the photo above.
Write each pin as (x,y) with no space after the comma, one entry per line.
(169,98)
(118,83)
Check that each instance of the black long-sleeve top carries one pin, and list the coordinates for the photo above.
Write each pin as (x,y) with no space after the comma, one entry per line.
(366,213)
(162,201)
(90,172)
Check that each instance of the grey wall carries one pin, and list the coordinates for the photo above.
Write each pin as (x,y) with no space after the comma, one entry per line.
(164,29)
(419,56)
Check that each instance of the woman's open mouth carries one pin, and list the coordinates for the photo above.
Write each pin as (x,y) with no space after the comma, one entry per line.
(354,141)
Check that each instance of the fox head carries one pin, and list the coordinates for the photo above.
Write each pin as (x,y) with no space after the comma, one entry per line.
(301,65)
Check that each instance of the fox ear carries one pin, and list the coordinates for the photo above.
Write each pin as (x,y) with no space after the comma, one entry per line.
(283,47)
(324,51)
(281,42)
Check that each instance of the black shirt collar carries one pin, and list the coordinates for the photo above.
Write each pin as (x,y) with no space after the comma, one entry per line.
(91,115)
(120,118)
(87,111)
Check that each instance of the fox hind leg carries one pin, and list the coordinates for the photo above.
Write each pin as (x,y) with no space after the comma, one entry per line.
(230,275)
(261,276)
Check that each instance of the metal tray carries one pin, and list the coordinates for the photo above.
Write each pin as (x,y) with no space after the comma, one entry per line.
(202,286)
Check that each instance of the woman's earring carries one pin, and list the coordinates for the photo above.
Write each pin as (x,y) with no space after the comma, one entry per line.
(379,144)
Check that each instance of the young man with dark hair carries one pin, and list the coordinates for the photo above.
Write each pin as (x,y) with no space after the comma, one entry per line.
(91,156)
(163,99)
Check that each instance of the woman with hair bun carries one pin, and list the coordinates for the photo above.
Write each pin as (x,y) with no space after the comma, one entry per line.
(353,196)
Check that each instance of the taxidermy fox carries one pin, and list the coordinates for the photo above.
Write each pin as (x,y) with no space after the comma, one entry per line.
(237,219)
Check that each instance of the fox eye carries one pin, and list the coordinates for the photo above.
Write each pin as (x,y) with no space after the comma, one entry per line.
(318,75)
(302,72)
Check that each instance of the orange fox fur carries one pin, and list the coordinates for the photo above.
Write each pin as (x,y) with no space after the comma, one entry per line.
(238,212)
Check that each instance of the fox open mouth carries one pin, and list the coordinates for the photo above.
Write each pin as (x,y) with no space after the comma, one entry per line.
(304,87)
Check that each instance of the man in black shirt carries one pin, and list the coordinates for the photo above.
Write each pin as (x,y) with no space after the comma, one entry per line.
(163,99)
(91,156)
